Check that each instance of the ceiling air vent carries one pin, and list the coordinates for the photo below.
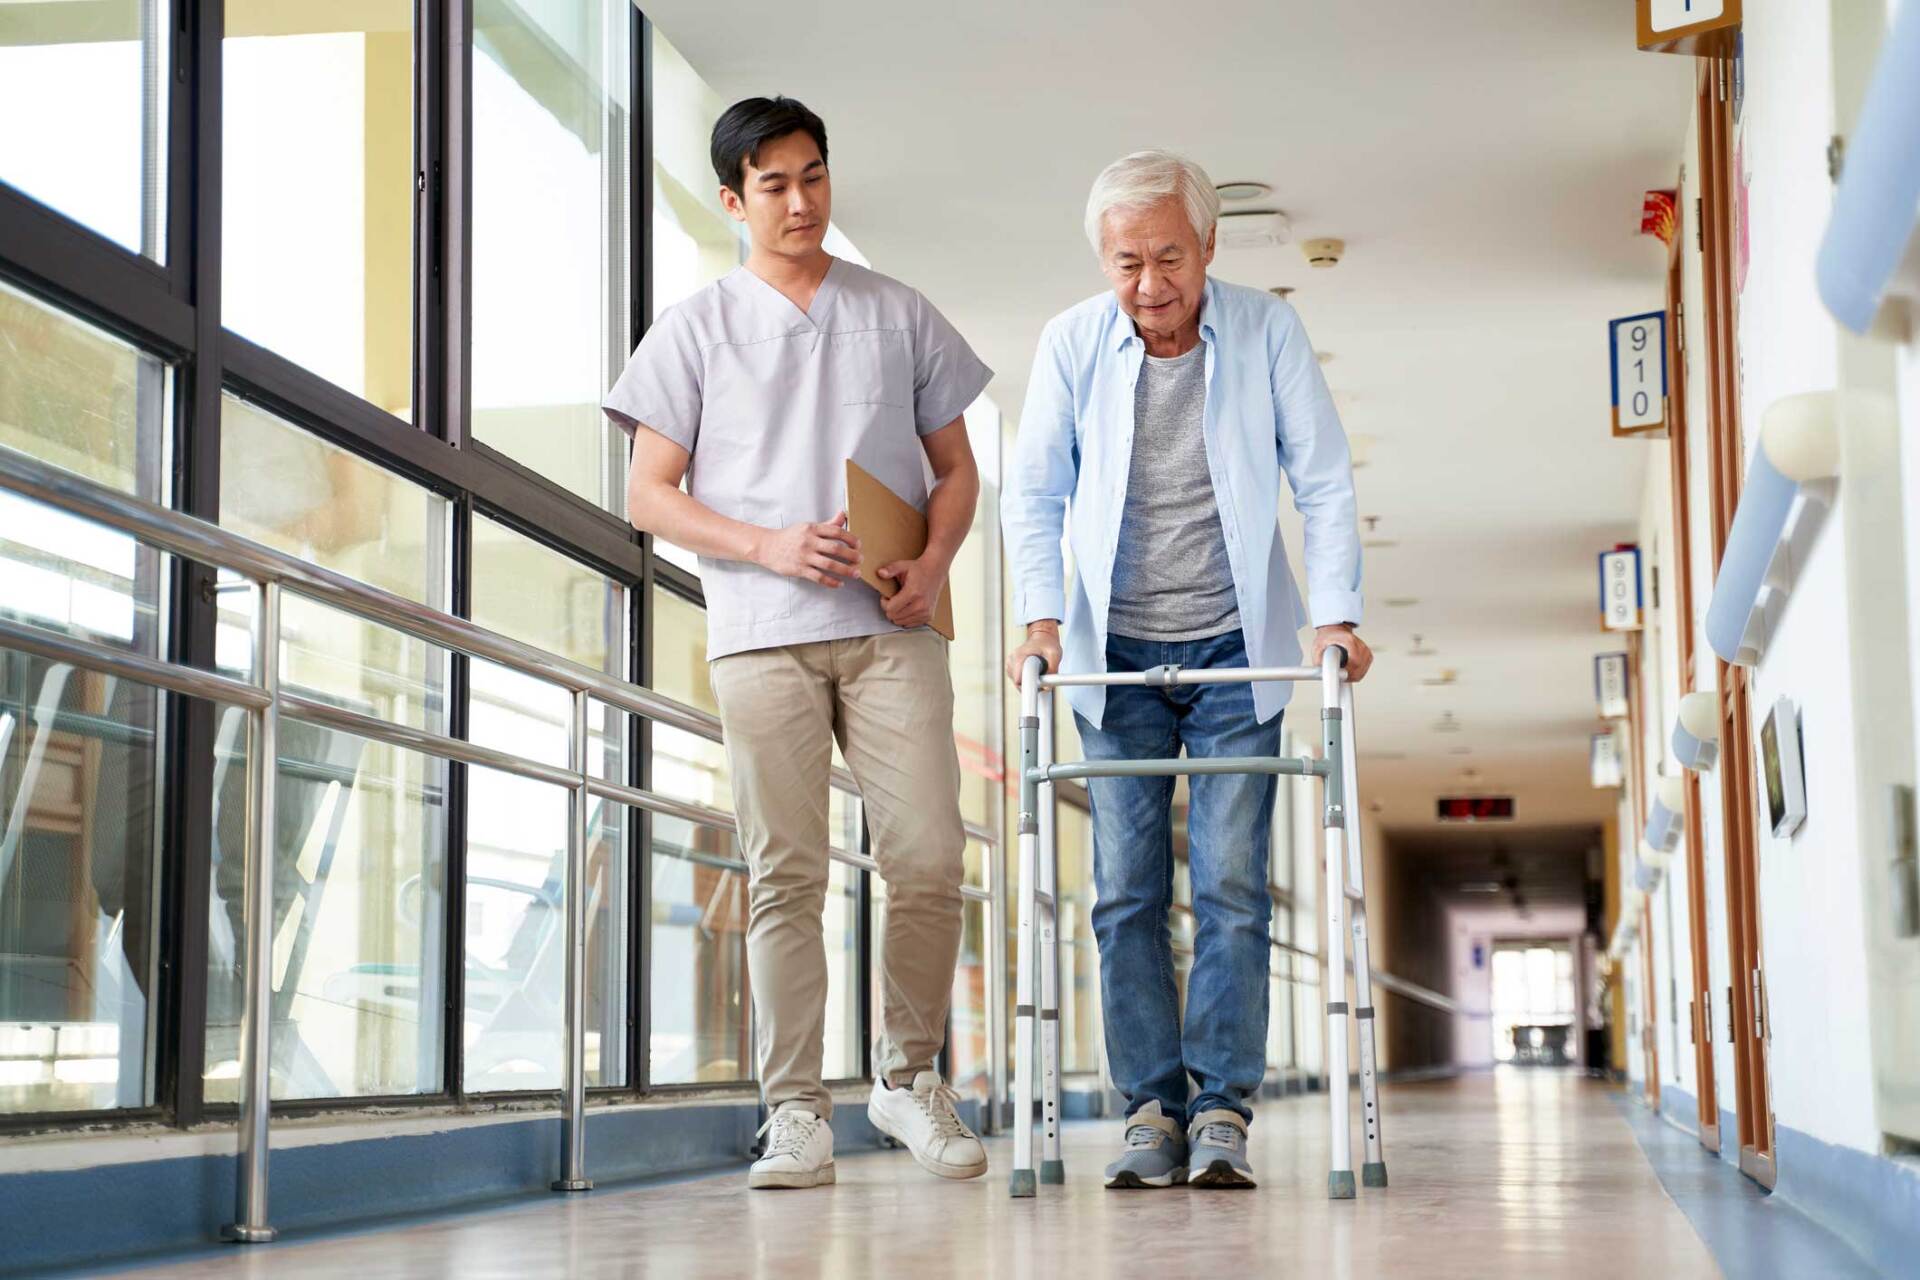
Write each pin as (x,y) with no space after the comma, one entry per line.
(1254,229)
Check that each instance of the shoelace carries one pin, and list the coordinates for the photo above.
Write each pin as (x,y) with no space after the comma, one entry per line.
(1220,1134)
(1144,1137)
(938,1102)
(792,1130)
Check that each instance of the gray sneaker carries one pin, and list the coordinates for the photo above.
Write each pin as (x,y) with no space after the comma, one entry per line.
(1155,1154)
(1218,1140)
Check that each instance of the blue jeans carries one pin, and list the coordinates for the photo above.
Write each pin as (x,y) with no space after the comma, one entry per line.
(1223,1044)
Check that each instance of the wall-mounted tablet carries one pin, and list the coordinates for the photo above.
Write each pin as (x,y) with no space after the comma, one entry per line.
(1781,761)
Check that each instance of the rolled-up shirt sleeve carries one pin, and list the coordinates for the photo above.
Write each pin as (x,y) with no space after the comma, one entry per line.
(660,387)
(1319,467)
(947,375)
(1039,483)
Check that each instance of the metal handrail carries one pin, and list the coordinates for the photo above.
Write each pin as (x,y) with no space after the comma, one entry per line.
(272,572)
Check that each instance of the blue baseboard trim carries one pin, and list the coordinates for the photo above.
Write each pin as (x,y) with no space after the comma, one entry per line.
(1871,1201)
(1680,1108)
(1751,1234)
(119,1213)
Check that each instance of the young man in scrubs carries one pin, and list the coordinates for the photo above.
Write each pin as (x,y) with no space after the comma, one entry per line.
(756,390)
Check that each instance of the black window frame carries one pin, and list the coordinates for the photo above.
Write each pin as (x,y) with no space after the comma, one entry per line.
(172,310)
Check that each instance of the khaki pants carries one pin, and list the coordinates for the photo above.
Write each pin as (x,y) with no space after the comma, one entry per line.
(888,701)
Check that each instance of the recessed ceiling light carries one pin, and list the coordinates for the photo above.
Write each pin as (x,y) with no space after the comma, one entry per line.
(1243,190)
(1324,357)
(1376,544)
(1281,290)
(1401,602)
(1459,751)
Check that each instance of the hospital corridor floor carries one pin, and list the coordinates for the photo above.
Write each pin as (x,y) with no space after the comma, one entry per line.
(1517,1172)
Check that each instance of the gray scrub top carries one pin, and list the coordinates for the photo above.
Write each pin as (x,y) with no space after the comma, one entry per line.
(771,401)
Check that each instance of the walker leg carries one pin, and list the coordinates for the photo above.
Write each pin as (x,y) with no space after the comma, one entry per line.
(1021,1181)
(1052,1168)
(1373,1172)
(1340,1172)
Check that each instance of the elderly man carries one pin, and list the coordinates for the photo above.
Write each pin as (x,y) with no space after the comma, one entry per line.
(1165,413)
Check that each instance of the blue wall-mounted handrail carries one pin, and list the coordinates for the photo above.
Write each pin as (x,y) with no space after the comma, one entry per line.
(1766,499)
(1696,731)
(1799,446)
(1877,204)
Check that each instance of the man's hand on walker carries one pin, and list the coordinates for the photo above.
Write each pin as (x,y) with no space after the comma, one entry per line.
(1043,641)
(1359,657)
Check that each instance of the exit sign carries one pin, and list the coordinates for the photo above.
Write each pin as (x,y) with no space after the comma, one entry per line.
(1476,808)
(1687,26)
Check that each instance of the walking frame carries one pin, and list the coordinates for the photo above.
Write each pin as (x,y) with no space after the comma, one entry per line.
(1039,936)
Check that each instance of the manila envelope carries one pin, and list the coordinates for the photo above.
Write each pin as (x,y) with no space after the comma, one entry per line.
(889,529)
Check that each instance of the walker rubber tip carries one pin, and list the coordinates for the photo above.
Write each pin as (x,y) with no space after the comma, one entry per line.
(1340,1185)
(572,1184)
(1021,1185)
(1053,1172)
(1373,1174)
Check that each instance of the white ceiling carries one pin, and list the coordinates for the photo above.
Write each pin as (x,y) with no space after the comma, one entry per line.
(1485,162)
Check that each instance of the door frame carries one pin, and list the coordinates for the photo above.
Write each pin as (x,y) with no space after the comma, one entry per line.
(1726,467)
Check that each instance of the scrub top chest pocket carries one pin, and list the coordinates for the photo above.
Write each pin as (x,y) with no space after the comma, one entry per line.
(871,366)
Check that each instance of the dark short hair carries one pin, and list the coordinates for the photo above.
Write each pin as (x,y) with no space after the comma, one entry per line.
(751,123)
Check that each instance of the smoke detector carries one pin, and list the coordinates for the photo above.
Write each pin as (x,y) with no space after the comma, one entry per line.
(1254,229)
(1323,253)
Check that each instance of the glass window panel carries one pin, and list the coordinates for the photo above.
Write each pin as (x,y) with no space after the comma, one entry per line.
(76,397)
(1079,957)
(694,242)
(358,943)
(967,1045)
(974,656)
(93,80)
(700,1028)
(289,489)
(514,1021)
(318,198)
(517,827)
(840,930)
(550,156)
(78,777)
(360,864)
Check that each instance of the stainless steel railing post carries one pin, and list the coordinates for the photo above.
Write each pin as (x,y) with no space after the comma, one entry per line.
(250,1224)
(573,1082)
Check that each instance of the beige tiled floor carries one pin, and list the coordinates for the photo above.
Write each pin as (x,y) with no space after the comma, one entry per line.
(1530,1174)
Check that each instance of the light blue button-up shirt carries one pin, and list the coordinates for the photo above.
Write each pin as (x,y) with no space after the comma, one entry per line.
(1268,411)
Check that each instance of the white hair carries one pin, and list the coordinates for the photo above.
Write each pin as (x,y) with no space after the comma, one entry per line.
(1144,179)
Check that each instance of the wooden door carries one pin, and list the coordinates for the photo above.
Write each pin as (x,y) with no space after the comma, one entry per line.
(1700,1001)
(1727,464)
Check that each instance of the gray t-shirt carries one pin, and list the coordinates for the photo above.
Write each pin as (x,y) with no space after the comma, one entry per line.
(771,401)
(1171,577)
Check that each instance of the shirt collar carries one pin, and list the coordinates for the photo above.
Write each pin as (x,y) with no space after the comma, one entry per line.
(1120,330)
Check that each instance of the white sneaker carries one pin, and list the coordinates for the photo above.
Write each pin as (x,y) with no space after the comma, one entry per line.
(799,1151)
(922,1119)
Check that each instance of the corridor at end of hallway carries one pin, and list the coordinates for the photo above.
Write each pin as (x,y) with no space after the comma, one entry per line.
(1513,1172)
